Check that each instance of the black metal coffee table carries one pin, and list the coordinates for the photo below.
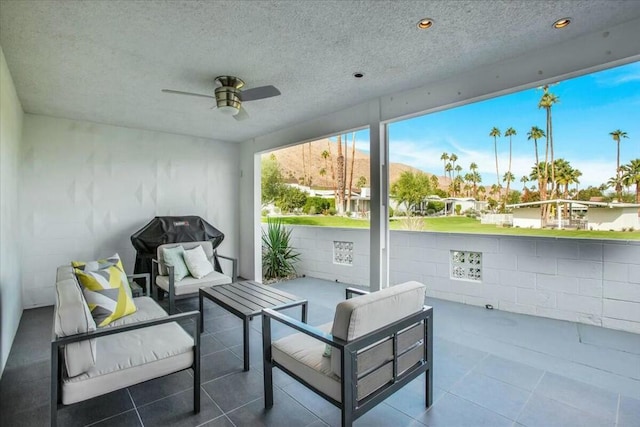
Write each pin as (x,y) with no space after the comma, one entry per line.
(246,300)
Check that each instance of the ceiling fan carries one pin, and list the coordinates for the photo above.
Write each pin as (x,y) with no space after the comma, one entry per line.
(229,97)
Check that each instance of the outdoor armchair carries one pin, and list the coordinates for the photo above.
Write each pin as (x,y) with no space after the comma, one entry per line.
(379,343)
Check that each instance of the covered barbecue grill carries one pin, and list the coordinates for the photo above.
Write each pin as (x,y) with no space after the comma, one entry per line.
(172,229)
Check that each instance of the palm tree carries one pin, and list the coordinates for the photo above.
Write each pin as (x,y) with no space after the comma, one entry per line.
(453,159)
(536,133)
(353,158)
(333,172)
(445,159)
(509,133)
(310,167)
(617,135)
(495,133)
(323,173)
(341,180)
(524,179)
(304,170)
(434,182)
(631,175)
(325,155)
(547,101)
(448,168)
(458,169)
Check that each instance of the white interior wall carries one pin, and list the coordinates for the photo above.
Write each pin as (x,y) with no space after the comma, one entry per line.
(11,117)
(86,187)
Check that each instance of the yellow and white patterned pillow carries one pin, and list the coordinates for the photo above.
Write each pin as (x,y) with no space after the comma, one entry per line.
(105,290)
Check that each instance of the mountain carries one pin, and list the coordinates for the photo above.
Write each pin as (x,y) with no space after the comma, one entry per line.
(291,164)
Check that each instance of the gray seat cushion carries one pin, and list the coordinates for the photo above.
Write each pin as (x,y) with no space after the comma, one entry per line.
(190,285)
(147,309)
(130,358)
(302,355)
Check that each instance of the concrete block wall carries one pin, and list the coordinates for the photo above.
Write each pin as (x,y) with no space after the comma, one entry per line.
(580,280)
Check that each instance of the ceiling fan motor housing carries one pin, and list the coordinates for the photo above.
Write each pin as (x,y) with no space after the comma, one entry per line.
(228,94)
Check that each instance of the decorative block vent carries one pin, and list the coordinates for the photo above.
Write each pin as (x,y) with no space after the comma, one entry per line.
(342,253)
(466,265)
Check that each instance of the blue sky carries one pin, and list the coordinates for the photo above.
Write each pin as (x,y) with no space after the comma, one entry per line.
(590,107)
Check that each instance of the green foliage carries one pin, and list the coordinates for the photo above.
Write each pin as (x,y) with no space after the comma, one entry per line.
(362,182)
(314,205)
(390,212)
(440,193)
(290,198)
(458,208)
(278,257)
(530,196)
(435,206)
(587,193)
(411,189)
(272,181)
(514,197)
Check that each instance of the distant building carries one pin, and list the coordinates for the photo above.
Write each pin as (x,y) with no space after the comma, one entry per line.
(583,214)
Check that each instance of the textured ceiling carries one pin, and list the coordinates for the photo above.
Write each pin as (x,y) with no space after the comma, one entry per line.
(107,61)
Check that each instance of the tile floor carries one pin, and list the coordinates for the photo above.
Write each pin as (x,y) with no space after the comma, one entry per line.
(491,369)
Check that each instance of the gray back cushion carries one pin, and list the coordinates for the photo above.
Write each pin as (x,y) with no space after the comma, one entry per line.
(72,316)
(162,268)
(364,314)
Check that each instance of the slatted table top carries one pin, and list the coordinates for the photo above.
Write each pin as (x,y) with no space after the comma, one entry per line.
(248,298)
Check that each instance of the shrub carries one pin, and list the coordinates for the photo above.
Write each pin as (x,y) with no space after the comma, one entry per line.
(332,211)
(436,206)
(390,212)
(458,208)
(265,212)
(319,204)
(278,257)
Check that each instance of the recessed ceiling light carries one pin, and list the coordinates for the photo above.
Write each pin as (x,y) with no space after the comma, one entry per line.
(425,23)
(562,23)
(358,75)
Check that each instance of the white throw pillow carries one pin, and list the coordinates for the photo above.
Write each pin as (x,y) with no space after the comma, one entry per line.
(197,262)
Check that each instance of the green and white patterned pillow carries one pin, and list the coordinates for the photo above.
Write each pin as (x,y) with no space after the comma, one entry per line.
(105,290)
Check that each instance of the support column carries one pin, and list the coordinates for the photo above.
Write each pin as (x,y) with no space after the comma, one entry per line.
(379,232)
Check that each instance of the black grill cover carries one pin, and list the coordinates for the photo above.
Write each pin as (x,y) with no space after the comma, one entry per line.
(172,229)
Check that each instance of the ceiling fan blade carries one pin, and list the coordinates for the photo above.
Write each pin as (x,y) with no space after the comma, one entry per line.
(242,115)
(179,92)
(259,93)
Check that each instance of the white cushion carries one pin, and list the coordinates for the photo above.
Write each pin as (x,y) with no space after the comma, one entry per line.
(190,285)
(72,316)
(302,355)
(197,262)
(162,268)
(130,358)
(147,309)
(361,315)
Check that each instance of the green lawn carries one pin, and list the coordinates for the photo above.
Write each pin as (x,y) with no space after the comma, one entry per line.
(459,225)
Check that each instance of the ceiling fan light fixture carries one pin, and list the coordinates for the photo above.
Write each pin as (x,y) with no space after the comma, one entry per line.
(229,110)
(562,23)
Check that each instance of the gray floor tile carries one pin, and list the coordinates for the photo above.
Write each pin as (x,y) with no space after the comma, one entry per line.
(448,351)
(510,372)
(38,416)
(126,419)
(221,421)
(177,410)
(492,394)
(585,397)
(320,407)
(218,364)
(453,411)
(160,387)
(235,390)
(446,373)
(384,415)
(542,412)
(285,412)
(629,412)
(222,323)
(411,398)
(18,396)
(209,344)
(96,409)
